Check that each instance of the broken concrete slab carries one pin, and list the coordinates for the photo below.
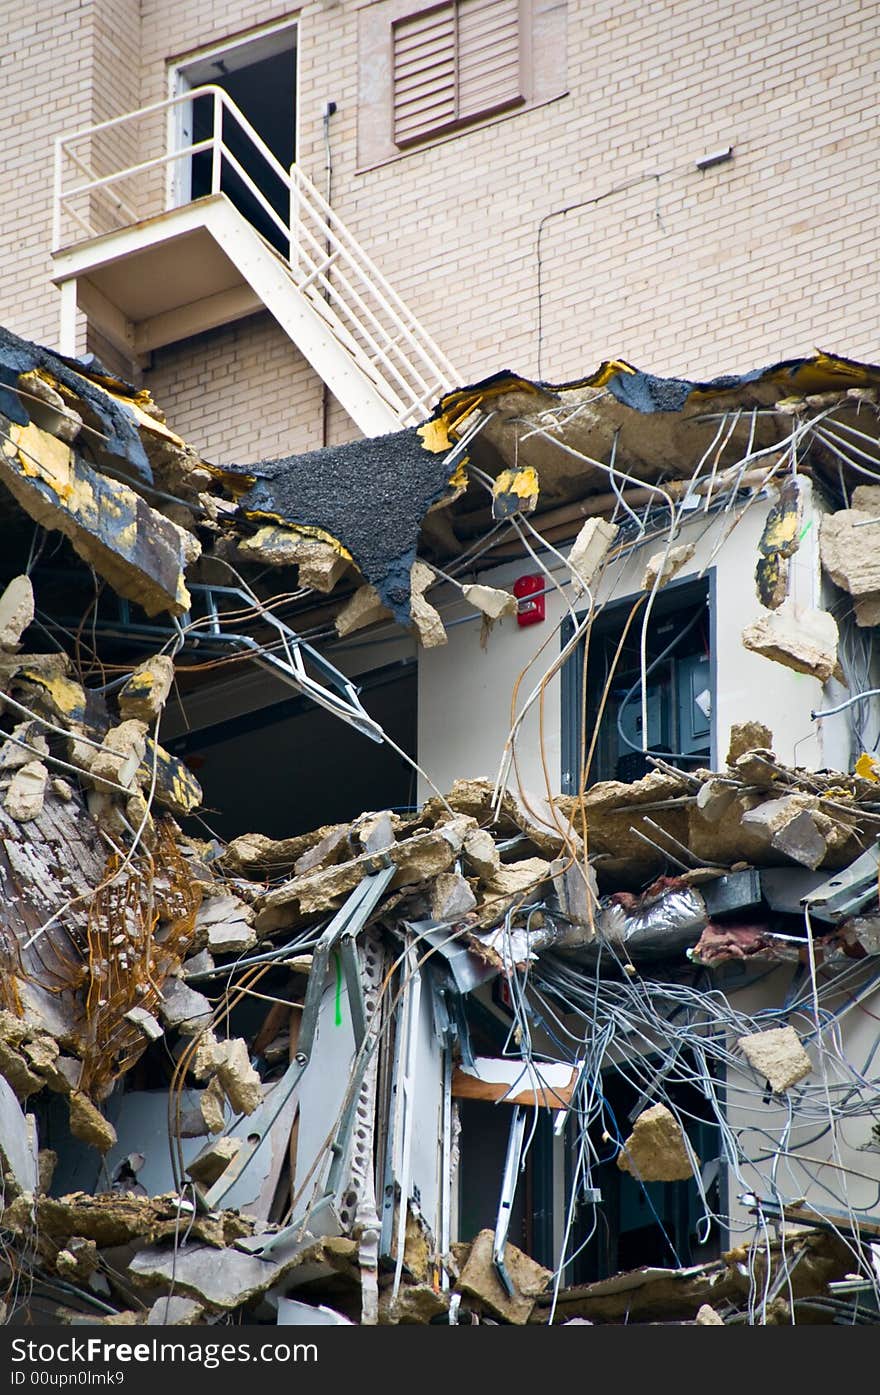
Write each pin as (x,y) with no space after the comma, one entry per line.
(16,611)
(418,859)
(145,1022)
(415,1303)
(800,639)
(212,1107)
(778,1056)
(867,610)
(589,550)
(523,882)
(663,566)
(23,800)
(88,1123)
(139,551)
(479,1279)
(655,1150)
(334,847)
(199,1272)
(714,798)
(321,564)
(748,736)
(143,697)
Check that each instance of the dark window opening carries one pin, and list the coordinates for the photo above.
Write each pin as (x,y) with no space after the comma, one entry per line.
(680,685)
(292,767)
(644,1223)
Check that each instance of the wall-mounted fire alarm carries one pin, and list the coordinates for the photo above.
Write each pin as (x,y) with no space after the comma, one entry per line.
(529,591)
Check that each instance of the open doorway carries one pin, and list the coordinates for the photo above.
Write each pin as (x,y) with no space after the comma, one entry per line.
(259,74)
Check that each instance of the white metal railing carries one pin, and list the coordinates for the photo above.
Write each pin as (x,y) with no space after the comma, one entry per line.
(325,262)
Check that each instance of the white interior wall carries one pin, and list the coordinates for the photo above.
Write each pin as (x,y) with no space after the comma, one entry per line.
(466,690)
(841,1163)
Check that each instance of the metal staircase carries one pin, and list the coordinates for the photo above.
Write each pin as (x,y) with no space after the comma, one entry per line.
(150,268)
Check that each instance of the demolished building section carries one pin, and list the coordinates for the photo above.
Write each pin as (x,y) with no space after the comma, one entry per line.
(647,994)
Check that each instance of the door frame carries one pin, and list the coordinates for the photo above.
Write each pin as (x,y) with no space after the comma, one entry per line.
(268,39)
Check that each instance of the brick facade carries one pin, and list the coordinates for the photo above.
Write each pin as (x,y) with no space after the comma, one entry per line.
(678,270)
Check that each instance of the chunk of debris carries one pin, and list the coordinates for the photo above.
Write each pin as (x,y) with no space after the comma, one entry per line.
(145,1022)
(23,800)
(515,491)
(481,855)
(655,1150)
(800,639)
(849,552)
(490,600)
(714,798)
(143,697)
(451,897)
(778,543)
(228,922)
(14,756)
(748,736)
(16,611)
(778,1056)
(426,619)
(790,827)
(589,549)
(418,859)
(364,608)
(213,1160)
(240,1081)
(119,760)
(415,1303)
(88,1123)
(182,1007)
(78,1260)
(174,1312)
(321,564)
(707,1317)
(663,566)
(479,1279)
(212,1107)
(18,1163)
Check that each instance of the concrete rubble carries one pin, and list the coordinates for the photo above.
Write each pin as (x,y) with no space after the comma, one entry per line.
(225,1062)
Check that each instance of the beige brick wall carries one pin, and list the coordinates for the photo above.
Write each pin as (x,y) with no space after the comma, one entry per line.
(690,273)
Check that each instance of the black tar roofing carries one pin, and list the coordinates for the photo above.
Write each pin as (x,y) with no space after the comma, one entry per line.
(372,495)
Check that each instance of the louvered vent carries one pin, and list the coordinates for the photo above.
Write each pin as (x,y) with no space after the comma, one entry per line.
(453,63)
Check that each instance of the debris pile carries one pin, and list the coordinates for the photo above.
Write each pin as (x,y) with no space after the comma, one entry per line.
(241,1080)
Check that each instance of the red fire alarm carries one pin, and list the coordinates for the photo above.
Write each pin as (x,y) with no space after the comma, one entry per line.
(529,591)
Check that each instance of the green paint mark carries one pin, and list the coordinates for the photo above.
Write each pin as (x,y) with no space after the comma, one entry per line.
(805,530)
(338,962)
